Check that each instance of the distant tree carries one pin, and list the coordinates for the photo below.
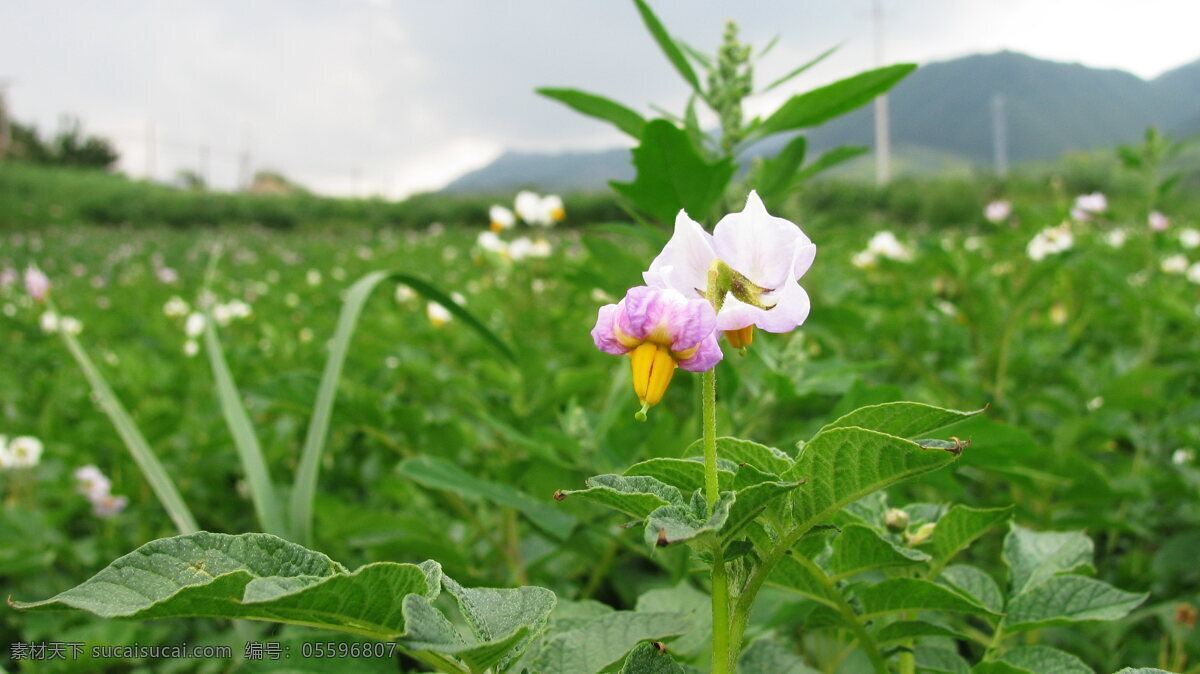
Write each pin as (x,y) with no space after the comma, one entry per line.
(71,148)
(190,180)
(26,145)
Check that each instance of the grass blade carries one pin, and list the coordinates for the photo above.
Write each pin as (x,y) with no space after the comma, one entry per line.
(305,487)
(154,472)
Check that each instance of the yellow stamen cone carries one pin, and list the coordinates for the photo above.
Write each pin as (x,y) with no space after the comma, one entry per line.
(740,338)
(653,366)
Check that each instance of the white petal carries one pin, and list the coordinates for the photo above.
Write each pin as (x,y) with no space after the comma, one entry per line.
(758,244)
(684,262)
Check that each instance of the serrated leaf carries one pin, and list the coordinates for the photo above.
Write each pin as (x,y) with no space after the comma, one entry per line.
(637,496)
(913,594)
(860,548)
(599,107)
(1033,556)
(648,659)
(1046,660)
(1059,600)
(762,457)
(910,629)
(801,576)
(901,419)
(676,523)
(841,465)
(686,474)
(750,502)
(688,602)
(767,654)
(820,105)
(437,473)
(672,176)
(959,527)
(999,667)
(933,660)
(429,630)
(604,640)
(976,584)
(494,615)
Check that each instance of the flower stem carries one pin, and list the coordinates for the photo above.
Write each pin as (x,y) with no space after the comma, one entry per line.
(722,656)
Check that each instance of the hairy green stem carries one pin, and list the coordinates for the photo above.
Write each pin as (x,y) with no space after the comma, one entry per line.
(720,581)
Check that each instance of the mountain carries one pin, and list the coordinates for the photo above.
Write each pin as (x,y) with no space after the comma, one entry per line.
(943,110)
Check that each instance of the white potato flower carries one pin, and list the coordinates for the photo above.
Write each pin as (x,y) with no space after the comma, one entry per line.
(1050,241)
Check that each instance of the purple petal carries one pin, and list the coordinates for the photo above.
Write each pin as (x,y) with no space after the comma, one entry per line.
(691,322)
(641,311)
(706,357)
(684,262)
(604,334)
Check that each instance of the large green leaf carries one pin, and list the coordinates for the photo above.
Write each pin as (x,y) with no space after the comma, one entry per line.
(828,160)
(686,474)
(437,473)
(601,641)
(762,457)
(679,523)
(636,495)
(820,105)
(769,655)
(672,176)
(976,584)
(909,629)
(902,419)
(913,594)
(860,548)
(932,660)
(667,44)
(750,502)
(842,465)
(647,658)
(1033,556)
(775,175)
(1059,600)
(1046,660)
(804,577)
(599,107)
(959,527)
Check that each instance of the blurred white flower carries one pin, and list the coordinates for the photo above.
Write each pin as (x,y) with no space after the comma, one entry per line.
(37,284)
(1174,264)
(190,348)
(541,248)
(458,297)
(391,362)
(176,307)
(306,335)
(194,326)
(292,300)
(108,505)
(1182,456)
(973,243)
(1058,314)
(552,209)
(24,452)
(520,248)
(313,277)
(337,274)
(1116,238)
(501,218)
(527,205)
(883,245)
(49,322)
(1050,241)
(167,275)
(1087,205)
(404,294)
(91,482)
(438,314)
(997,211)
(1193,272)
(1095,403)
(1158,222)
(492,243)
(863,259)
(70,325)
(239,309)
(8,276)
(1189,238)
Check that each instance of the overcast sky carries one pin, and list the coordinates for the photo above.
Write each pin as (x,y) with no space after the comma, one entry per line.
(389,97)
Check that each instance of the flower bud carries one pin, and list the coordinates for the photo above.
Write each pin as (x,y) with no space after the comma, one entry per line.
(922,535)
(895,519)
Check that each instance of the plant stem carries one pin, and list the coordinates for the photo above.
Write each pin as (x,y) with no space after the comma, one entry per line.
(720,582)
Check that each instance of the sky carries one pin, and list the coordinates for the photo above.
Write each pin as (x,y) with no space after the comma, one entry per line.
(389,97)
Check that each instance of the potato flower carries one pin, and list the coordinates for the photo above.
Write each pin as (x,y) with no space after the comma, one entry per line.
(1189,238)
(659,329)
(24,452)
(528,206)
(1050,241)
(1158,222)
(766,256)
(437,314)
(501,218)
(37,284)
(1087,205)
(997,211)
(552,209)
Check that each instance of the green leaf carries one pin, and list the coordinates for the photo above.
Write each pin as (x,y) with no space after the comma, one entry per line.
(667,44)
(1046,660)
(604,640)
(750,502)
(767,654)
(152,469)
(909,629)
(686,474)
(775,174)
(430,631)
(647,659)
(671,175)
(820,105)
(912,594)
(1143,670)
(436,473)
(599,107)
(860,548)
(932,660)
(844,464)
(976,584)
(782,80)
(902,419)
(999,667)
(495,615)
(679,523)
(1059,600)
(1034,556)
(305,486)
(959,527)
(637,496)
(762,457)
(687,602)
(799,574)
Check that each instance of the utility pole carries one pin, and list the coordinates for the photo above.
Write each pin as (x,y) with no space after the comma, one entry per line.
(202,169)
(151,150)
(883,142)
(999,135)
